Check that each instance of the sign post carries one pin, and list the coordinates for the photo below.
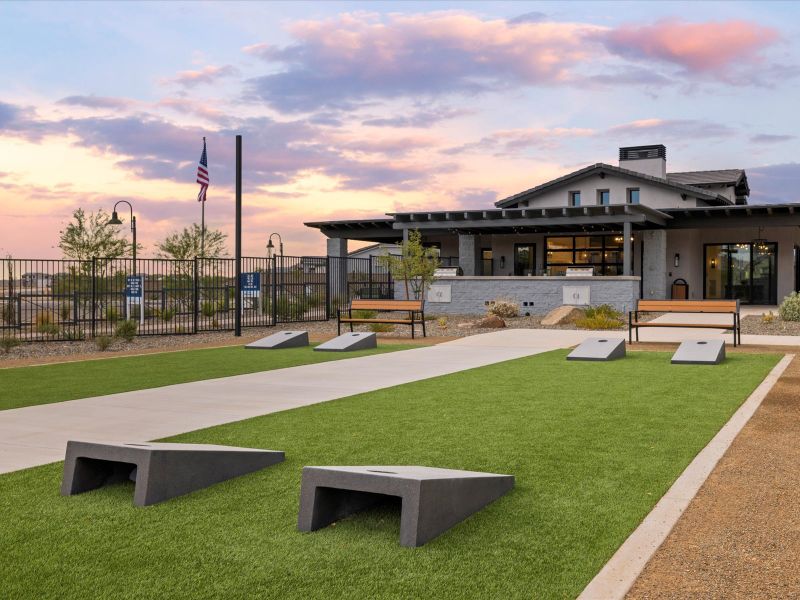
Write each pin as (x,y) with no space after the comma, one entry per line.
(134,295)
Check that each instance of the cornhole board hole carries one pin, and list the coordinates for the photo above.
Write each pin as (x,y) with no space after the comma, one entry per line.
(699,352)
(282,339)
(348,342)
(599,349)
(161,471)
(433,500)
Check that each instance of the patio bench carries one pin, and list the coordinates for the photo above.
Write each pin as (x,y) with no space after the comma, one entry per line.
(730,307)
(414,309)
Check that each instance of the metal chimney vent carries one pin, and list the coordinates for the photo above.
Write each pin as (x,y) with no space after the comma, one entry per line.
(640,152)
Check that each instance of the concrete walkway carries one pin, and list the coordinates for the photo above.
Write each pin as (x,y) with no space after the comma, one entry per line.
(38,435)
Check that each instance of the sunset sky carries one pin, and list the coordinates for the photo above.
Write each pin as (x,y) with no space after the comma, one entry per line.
(352,110)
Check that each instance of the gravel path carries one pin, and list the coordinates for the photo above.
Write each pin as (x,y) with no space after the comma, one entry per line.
(740,536)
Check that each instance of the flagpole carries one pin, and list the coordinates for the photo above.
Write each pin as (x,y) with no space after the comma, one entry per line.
(203,219)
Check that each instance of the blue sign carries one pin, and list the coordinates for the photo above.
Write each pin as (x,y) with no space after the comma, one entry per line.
(251,284)
(134,286)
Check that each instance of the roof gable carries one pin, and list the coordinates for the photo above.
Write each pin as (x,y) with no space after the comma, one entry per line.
(600,168)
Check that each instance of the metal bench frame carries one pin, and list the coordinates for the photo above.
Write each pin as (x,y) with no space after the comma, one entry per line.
(730,307)
(414,308)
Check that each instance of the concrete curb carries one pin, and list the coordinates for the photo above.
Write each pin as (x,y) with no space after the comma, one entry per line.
(618,575)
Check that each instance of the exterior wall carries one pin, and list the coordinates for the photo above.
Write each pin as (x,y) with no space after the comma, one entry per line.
(656,167)
(379,250)
(649,195)
(654,279)
(471,295)
(689,243)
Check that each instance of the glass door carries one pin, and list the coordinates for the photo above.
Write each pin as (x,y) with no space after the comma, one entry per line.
(524,259)
(742,272)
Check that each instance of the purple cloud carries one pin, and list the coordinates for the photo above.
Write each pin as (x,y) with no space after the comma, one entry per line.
(671,129)
(422,118)
(341,62)
(774,184)
(93,101)
(769,138)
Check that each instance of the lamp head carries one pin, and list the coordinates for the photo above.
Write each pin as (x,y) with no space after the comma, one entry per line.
(270,245)
(114,219)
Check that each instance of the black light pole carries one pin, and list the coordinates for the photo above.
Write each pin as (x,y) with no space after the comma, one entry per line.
(271,249)
(115,220)
(237,326)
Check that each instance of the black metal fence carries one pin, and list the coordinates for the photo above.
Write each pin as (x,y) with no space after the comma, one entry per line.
(57,300)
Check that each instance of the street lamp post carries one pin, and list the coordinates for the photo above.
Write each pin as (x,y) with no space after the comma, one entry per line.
(271,249)
(115,220)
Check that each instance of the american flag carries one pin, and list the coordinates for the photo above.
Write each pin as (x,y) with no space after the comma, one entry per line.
(202,174)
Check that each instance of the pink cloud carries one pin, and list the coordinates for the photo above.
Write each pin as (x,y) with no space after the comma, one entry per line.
(337,61)
(697,47)
(208,74)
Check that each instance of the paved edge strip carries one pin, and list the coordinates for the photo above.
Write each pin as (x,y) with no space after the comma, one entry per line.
(619,574)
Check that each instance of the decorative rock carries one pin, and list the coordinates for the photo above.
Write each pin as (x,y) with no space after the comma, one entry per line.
(161,470)
(561,315)
(433,500)
(490,322)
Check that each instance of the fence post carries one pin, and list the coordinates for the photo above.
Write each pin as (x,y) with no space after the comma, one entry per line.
(196,296)
(274,290)
(94,296)
(371,290)
(75,302)
(328,302)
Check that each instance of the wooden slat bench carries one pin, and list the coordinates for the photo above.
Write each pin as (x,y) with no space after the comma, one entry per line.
(412,307)
(730,307)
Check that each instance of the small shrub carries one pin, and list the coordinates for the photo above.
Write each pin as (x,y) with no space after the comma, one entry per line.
(504,308)
(381,327)
(790,307)
(8,313)
(126,330)
(168,314)
(74,334)
(64,312)
(604,316)
(604,311)
(215,323)
(9,343)
(365,314)
(112,314)
(208,309)
(768,318)
(102,343)
(442,322)
(315,300)
(45,322)
(180,329)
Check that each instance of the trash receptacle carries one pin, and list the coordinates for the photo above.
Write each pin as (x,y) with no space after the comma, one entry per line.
(680,290)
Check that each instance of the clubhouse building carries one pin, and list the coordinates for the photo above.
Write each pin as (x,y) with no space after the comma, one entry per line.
(604,234)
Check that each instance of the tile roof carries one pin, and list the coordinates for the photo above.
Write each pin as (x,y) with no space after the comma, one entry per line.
(718,176)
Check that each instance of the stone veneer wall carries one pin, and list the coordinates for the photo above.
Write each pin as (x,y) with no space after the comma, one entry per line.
(469,295)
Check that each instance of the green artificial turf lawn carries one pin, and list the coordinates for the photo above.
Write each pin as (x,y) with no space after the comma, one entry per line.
(28,386)
(593,447)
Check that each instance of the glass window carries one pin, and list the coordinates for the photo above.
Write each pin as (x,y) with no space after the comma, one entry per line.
(633,195)
(524,259)
(603,197)
(603,252)
(574,198)
(560,243)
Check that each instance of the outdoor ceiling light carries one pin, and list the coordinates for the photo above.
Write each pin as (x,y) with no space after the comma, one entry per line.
(114,219)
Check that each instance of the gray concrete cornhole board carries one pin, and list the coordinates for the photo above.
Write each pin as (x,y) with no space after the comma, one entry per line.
(161,471)
(348,342)
(433,500)
(598,348)
(282,339)
(699,352)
